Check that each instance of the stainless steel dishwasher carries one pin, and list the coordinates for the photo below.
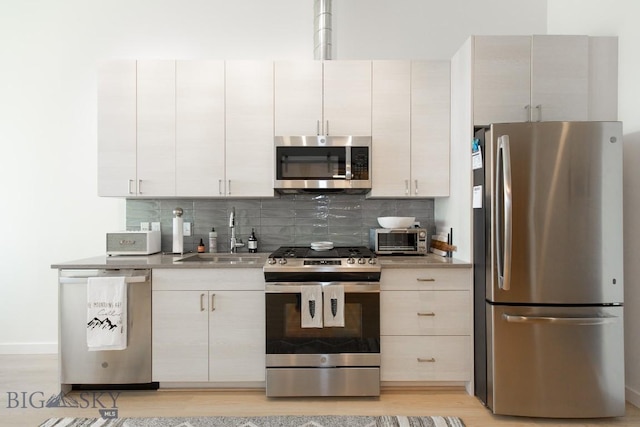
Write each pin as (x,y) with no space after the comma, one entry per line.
(78,365)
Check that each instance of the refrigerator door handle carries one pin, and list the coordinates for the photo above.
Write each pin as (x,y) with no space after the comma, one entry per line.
(503,215)
(561,320)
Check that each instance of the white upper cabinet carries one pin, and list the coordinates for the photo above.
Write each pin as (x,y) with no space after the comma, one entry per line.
(347,98)
(410,129)
(185,128)
(430,112)
(156,145)
(200,127)
(544,78)
(501,79)
(560,78)
(117,128)
(249,129)
(329,98)
(298,97)
(391,129)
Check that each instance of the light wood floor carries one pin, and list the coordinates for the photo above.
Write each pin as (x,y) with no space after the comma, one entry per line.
(36,376)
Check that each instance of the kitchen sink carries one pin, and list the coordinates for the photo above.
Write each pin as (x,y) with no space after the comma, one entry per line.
(218,258)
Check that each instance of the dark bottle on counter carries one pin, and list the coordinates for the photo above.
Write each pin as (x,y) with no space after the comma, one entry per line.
(201,247)
(253,242)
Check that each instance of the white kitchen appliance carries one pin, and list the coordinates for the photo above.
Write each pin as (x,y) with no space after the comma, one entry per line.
(133,242)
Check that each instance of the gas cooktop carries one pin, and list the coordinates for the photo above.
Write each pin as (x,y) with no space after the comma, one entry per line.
(337,252)
(301,263)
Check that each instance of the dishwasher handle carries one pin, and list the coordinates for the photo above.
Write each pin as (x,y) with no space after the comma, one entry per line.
(129,279)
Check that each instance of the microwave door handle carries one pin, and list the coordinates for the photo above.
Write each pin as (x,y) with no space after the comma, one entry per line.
(347,161)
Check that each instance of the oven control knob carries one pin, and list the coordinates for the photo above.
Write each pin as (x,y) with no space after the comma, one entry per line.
(282,261)
(350,260)
(372,260)
(361,261)
(271,260)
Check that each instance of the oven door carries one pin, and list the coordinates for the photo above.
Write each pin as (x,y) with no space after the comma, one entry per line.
(355,344)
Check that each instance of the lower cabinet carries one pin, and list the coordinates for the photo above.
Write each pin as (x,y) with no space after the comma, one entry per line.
(425,327)
(208,326)
(425,358)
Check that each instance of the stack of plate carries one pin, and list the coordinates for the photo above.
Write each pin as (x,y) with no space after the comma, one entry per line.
(321,246)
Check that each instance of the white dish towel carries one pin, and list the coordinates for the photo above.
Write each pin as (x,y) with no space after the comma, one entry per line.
(106,313)
(334,306)
(311,310)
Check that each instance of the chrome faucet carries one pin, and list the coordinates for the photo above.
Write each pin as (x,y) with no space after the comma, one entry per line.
(234,244)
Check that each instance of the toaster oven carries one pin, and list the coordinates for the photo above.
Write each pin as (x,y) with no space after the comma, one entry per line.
(400,241)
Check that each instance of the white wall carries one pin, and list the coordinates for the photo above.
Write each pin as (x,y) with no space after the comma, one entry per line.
(602,17)
(48,52)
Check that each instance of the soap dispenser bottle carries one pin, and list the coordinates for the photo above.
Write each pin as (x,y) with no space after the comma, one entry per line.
(253,242)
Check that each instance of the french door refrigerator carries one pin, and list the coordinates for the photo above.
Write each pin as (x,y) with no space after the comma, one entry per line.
(548,269)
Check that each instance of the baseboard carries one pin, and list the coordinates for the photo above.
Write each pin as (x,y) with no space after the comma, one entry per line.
(632,396)
(29,348)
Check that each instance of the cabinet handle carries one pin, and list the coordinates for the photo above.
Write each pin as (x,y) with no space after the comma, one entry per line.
(416,189)
(139,186)
(202,302)
(429,360)
(318,127)
(527,109)
(406,187)
(129,187)
(539,108)
(220,187)
(229,188)
(327,133)
(421,279)
(430,314)
(213,300)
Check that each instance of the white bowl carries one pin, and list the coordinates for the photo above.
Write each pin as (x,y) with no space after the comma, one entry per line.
(396,221)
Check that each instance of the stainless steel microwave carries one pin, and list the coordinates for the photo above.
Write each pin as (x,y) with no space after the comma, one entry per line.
(322,163)
(401,241)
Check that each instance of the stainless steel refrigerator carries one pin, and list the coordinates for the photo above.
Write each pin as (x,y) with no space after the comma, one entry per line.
(548,269)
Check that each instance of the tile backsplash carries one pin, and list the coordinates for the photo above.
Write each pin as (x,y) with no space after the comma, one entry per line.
(285,220)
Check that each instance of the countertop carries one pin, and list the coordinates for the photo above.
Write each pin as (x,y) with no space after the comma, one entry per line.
(171,261)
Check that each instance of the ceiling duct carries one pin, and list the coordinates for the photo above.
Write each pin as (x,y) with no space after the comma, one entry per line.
(322,26)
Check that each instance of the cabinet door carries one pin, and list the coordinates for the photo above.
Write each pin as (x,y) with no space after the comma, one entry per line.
(200,132)
(347,98)
(180,338)
(501,79)
(156,128)
(430,112)
(117,128)
(425,313)
(298,97)
(237,336)
(603,78)
(391,128)
(249,118)
(560,78)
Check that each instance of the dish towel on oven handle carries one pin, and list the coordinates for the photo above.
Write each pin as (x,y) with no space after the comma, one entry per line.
(311,310)
(334,306)
(106,313)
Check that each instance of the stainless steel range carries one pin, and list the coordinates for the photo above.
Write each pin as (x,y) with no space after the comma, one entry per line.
(322,322)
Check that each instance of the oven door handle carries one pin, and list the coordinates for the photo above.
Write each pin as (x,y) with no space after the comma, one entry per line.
(296,287)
